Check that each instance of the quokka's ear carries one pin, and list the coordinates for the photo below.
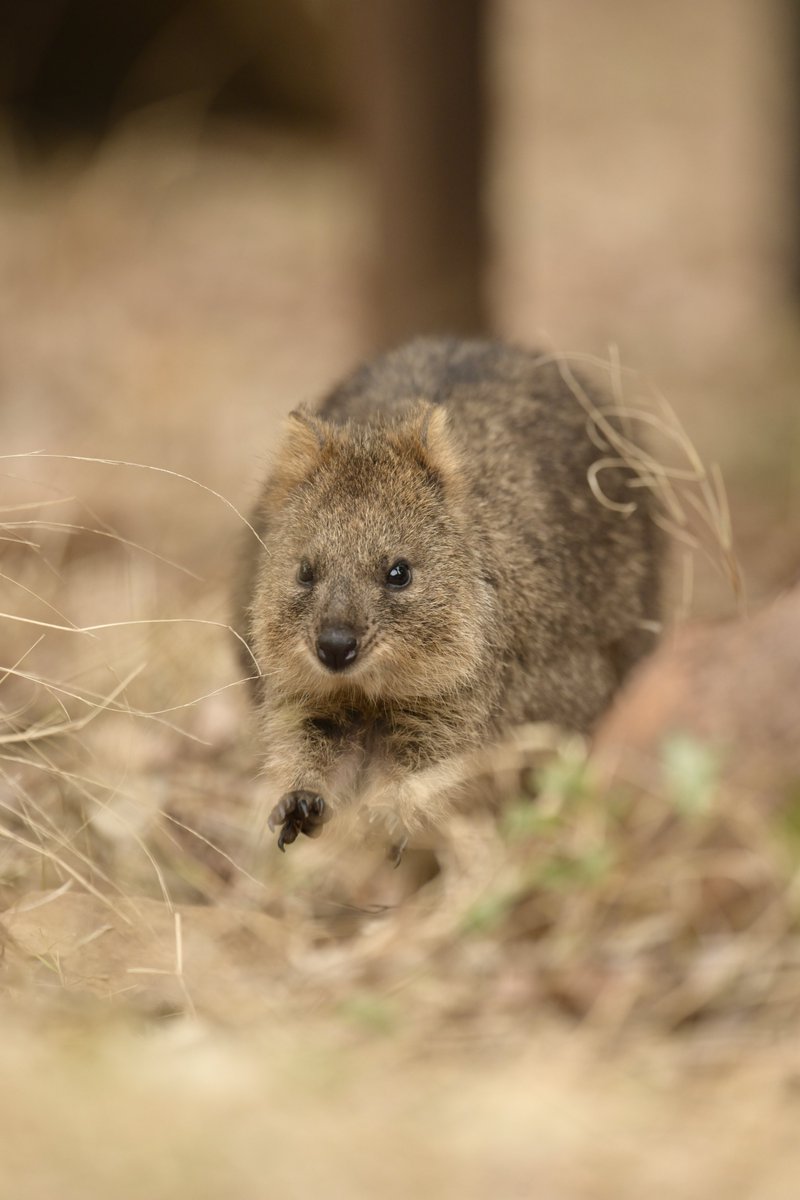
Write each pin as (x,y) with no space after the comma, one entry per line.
(305,425)
(304,437)
(430,428)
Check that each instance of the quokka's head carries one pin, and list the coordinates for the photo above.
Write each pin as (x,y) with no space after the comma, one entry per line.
(369,581)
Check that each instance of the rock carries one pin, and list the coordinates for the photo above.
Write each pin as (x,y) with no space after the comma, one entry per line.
(733,686)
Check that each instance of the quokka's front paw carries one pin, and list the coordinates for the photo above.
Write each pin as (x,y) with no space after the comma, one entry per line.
(298,812)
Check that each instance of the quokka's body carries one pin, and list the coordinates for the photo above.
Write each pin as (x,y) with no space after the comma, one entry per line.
(435,569)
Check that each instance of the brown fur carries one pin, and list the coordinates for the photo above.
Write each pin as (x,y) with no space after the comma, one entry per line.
(530,600)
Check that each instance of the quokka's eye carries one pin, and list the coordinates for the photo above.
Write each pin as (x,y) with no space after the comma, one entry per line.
(398,576)
(305,574)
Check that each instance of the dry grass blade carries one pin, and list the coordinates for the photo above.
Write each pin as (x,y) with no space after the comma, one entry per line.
(83,786)
(71,725)
(112,535)
(678,489)
(41,599)
(26,653)
(212,845)
(34,505)
(100,702)
(141,621)
(67,868)
(118,462)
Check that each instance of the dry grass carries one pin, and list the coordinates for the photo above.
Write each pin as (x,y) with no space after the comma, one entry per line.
(143,917)
(612,900)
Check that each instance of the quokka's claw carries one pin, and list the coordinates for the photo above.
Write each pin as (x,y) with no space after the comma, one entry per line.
(298,812)
(396,852)
(287,835)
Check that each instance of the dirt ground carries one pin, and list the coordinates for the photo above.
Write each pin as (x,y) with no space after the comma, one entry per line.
(599,1000)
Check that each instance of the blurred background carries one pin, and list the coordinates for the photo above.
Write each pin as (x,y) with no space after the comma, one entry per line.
(211,208)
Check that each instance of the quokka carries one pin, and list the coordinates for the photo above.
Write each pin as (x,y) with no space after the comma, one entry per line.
(434,570)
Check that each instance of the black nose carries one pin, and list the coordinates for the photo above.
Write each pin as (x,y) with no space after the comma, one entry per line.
(337,647)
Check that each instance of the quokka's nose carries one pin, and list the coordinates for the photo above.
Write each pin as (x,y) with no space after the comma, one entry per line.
(337,647)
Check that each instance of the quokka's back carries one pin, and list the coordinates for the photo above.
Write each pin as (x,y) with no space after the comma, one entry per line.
(436,568)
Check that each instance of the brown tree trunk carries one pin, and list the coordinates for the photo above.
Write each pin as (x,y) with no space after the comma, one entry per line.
(417,100)
(794,145)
